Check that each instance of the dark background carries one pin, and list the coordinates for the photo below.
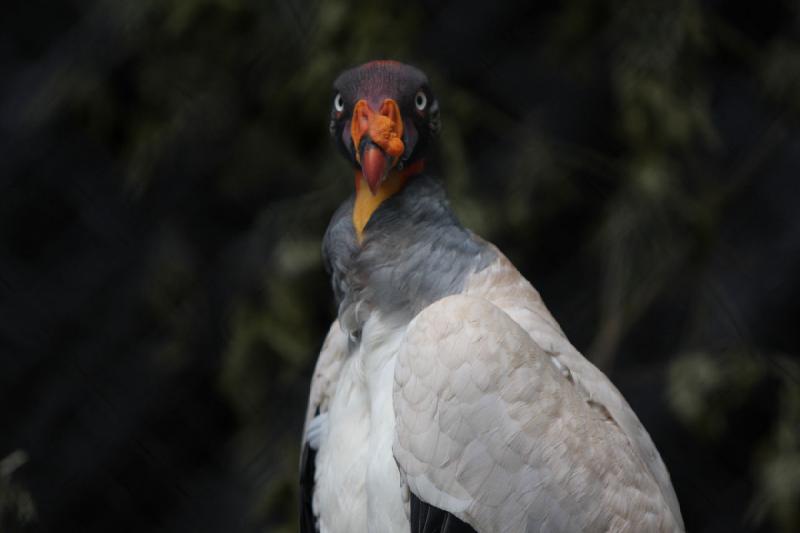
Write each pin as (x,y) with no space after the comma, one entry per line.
(166,177)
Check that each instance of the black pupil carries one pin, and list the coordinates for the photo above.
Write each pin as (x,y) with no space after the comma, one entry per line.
(419,100)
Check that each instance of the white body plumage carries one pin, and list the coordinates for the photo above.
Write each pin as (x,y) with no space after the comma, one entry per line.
(358,483)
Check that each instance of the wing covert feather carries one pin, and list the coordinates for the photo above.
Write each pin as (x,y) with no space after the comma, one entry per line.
(503,285)
(489,429)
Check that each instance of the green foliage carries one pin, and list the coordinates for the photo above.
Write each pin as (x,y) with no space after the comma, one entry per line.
(778,464)
(704,390)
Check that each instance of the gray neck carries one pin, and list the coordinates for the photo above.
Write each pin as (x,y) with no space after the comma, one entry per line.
(414,252)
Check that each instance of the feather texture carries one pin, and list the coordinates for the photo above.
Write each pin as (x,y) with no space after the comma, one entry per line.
(426,518)
(323,384)
(505,287)
(490,430)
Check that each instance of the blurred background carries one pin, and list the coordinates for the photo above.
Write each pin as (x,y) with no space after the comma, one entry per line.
(166,177)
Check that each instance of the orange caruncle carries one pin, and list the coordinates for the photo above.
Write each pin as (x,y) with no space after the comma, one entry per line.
(385,128)
(382,132)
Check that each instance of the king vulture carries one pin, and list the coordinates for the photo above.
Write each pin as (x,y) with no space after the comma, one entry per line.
(446,398)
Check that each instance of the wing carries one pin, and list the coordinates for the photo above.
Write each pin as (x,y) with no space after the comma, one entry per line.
(503,285)
(323,383)
(490,430)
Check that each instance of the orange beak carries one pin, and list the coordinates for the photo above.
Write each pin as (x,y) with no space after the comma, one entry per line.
(377,137)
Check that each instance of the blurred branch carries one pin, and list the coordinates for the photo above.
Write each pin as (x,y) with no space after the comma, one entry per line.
(16,504)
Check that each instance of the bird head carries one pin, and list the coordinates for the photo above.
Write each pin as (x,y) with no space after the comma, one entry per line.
(383,115)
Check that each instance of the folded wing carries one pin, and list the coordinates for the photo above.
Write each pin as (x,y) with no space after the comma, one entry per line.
(490,430)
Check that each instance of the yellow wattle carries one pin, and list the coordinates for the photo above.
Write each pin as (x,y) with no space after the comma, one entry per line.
(366,203)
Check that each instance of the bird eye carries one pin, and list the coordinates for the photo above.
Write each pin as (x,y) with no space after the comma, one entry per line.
(338,103)
(420,100)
